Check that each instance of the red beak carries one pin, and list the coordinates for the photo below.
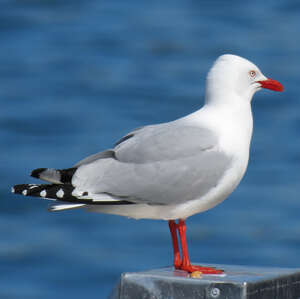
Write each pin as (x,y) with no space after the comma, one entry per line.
(271,84)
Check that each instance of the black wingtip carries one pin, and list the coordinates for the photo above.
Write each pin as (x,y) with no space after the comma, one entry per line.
(66,175)
(19,189)
(36,172)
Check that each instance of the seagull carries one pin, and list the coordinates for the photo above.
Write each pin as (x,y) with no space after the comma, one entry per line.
(171,170)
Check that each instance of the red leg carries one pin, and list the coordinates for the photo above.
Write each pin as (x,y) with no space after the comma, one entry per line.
(186,264)
(173,230)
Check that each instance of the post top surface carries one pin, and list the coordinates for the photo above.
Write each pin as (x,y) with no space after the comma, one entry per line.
(232,274)
(237,282)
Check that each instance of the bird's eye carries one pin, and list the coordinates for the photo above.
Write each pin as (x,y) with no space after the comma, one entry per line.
(252,74)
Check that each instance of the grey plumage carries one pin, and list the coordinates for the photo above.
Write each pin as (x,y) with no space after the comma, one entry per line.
(149,167)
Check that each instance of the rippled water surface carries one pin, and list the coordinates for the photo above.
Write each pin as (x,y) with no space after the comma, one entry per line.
(77,75)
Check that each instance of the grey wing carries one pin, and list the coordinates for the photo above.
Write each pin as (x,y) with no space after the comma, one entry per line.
(102,155)
(167,141)
(159,164)
(107,153)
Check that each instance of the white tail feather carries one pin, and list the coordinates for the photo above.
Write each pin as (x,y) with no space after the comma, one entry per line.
(55,208)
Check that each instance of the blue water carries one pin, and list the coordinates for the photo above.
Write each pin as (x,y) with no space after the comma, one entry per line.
(77,75)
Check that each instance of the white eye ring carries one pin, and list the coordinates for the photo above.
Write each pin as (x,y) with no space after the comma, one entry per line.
(252,74)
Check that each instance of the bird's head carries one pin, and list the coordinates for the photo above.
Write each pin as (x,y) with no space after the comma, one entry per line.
(233,75)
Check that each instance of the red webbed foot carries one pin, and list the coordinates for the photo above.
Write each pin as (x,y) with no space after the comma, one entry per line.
(204,270)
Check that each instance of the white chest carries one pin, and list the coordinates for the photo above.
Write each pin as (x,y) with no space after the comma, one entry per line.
(234,131)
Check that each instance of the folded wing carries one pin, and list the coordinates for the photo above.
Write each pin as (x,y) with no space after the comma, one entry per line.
(157,165)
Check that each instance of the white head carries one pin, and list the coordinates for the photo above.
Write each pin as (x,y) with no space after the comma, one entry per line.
(235,76)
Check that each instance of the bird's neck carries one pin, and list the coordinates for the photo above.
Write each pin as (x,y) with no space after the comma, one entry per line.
(231,120)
